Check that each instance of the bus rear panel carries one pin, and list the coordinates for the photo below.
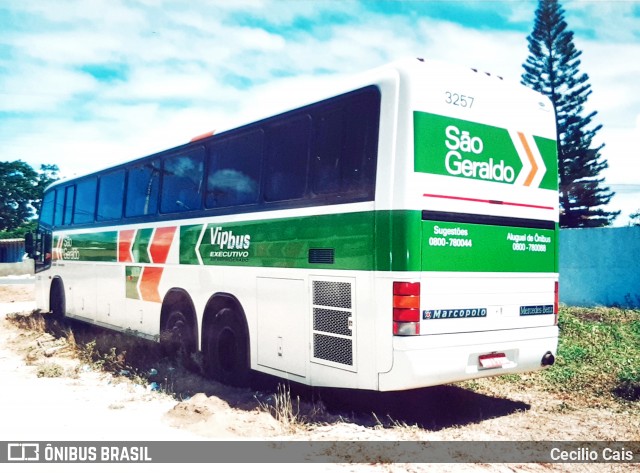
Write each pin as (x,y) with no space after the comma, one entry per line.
(477,204)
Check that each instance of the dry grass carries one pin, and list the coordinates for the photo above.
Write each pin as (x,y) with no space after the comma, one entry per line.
(293,413)
(575,387)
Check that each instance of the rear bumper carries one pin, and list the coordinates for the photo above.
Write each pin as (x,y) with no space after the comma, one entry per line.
(431,360)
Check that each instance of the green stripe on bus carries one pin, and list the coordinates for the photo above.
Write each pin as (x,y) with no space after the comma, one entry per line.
(383,241)
(141,245)
(448,246)
(283,243)
(95,246)
(398,240)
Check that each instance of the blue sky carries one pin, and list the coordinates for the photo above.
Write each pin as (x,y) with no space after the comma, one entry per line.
(90,83)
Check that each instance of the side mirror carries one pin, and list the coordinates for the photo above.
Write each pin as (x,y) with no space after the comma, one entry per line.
(28,244)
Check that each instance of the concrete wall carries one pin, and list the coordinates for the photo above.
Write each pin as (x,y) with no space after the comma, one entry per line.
(16,269)
(600,266)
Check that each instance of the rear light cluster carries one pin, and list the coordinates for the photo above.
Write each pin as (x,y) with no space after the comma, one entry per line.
(406,308)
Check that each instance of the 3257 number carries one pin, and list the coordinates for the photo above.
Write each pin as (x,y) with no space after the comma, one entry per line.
(459,100)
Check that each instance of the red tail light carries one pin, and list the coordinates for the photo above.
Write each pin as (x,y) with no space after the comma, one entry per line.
(406,308)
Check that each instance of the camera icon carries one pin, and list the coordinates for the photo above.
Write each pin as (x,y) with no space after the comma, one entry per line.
(23,452)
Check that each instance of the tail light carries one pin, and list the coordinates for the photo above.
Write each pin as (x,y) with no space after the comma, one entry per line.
(556,301)
(406,308)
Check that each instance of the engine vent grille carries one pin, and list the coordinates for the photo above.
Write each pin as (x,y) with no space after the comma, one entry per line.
(322,255)
(333,323)
(338,350)
(332,294)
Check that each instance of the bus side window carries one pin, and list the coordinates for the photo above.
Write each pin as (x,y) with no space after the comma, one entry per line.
(69,198)
(325,166)
(287,157)
(142,189)
(234,170)
(110,196)
(361,144)
(46,214)
(58,207)
(346,147)
(182,182)
(85,207)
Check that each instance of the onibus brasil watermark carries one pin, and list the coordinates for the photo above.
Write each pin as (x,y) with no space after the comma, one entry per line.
(278,451)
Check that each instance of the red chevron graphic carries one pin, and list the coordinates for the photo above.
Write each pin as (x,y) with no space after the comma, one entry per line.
(125,242)
(149,282)
(160,244)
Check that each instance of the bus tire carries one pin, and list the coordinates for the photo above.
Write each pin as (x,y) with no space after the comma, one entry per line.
(227,355)
(177,338)
(57,301)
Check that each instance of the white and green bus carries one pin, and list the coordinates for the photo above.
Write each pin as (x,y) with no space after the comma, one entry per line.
(400,232)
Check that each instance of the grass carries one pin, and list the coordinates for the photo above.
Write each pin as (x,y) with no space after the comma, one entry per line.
(598,353)
(598,358)
(121,354)
(50,370)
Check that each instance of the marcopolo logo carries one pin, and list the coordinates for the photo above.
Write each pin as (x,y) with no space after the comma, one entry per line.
(470,164)
(434,314)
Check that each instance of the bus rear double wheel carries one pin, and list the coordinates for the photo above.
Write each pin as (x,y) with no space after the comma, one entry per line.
(226,357)
(177,338)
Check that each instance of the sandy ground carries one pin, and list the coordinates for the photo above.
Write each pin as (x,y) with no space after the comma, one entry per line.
(85,404)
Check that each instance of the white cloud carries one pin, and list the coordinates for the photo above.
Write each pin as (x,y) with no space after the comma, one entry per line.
(622,151)
(75,47)
(613,75)
(70,12)
(38,87)
(613,21)
(499,53)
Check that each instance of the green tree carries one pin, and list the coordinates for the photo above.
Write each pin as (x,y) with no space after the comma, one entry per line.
(552,68)
(635,219)
(21,192)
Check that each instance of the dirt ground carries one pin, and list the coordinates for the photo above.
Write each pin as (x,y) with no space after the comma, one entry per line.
(83,403)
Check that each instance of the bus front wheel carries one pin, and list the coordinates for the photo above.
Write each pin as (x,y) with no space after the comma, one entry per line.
(57,303)
(227,355)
